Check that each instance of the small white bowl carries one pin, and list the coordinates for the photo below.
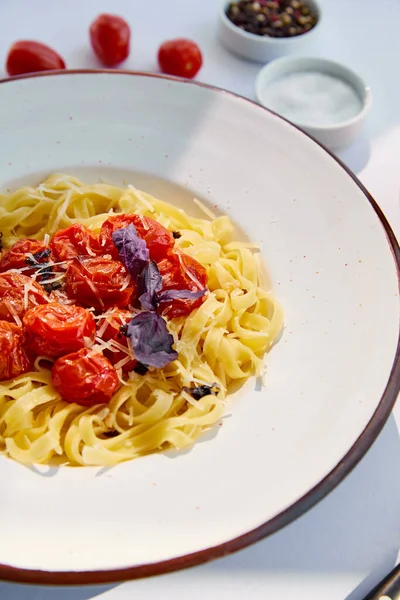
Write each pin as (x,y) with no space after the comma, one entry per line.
(333,136)
(262,48)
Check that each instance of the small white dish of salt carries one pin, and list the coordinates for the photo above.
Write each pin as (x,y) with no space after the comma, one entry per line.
(324,98)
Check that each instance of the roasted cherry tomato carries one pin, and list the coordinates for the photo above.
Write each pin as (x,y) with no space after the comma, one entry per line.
(18,293)
(180,271)
(99,283)
(17,257)
(61,297)
(158,239)
(73,241)
(180,57)
(56,329)
(110,329)
(14,358)
(85,377)
(29,57)
(109,36)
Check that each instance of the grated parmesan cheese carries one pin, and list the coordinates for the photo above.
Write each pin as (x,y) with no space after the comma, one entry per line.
(122,362)
(189,274)
(204,208)
(127,281)
(141,197)
(26,296)
(13,312)
(87,342)
(61,211)
(145,226)
(68,183)
(103,327)
(190,400)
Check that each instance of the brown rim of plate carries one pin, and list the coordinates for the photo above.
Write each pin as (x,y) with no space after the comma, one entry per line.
(326,485)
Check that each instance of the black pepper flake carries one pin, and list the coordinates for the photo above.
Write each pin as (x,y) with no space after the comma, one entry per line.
(124,329)
(286,18)
(176,235)
(45,272)
(140,369)
(200,391)
(51,287)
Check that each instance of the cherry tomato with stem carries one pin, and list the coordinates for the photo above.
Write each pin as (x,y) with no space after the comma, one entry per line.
(27,56)
(180,57)
(56,329)
(15,360)
(99,283)
(110,39)
(85,377)
(157,237)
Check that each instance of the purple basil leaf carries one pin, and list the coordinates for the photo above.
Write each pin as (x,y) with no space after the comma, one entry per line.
(169,295)
(151,342)
(149,283)
(132,250)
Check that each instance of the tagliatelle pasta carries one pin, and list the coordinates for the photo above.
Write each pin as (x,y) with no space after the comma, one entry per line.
(221,342)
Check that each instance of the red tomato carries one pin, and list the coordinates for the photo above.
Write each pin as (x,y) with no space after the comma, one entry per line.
(73,241)
(29,57)
(14,359)
(112,331)
(60,296)
(158,239)
(180,57)
(109,36)
(99,283)
(18,293)
(57,329)
(15,257)
(180,271)
(85,377)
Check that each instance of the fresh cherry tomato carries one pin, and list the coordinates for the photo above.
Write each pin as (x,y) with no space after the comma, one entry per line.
(85,377)
(109,36)
(14,358)
(180,57)
(180,271)
(99,283)
(18,293)
(56,329)
(73,241)
(158,239)
(16,256)
(26,56)
(112,331)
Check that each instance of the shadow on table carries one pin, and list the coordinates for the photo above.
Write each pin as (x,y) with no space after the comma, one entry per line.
(356,529)
(357,156)
(22,592)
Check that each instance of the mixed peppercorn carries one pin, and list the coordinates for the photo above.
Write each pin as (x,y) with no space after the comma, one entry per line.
(279,18)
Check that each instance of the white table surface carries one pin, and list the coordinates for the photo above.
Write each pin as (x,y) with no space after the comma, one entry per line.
(342,547)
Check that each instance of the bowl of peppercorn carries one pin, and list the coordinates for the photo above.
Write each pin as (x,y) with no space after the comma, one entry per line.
(262,30)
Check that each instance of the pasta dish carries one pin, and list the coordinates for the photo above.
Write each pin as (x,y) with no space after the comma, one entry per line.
(124,322)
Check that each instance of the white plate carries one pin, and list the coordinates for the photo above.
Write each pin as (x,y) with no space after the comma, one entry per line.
(332,379)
